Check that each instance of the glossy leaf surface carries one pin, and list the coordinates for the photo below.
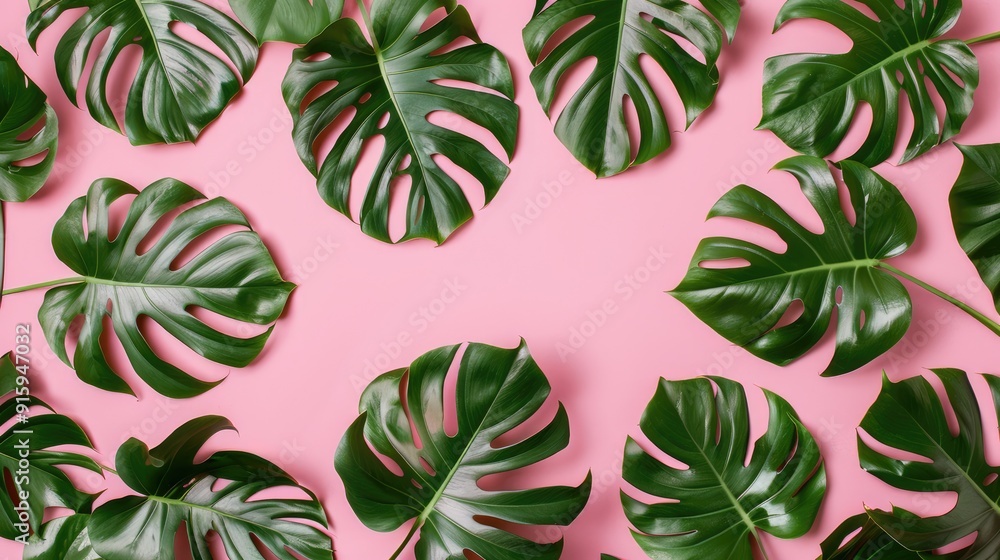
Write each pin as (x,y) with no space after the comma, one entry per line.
(234,277)
(497,391)
(718,504)
(811,100)
(217,495)
(975,201)
(909,416)
(179,87)
(398,79)
(289,21)
(836,269)
(617,34)
(22,109)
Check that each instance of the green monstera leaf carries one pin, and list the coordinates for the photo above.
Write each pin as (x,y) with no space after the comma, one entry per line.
(859,538)
(396,78)
(498,390)
(179,87)
(811,100)
(910,417)
(34,437)
(720,502)
(289,21)
(745,304)
(217,495)
(64,538)
(235,277)
(619,32)
(975,201)
(23,108)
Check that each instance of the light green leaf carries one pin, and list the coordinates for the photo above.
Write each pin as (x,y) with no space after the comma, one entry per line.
(811,100)
(717,504)
(289,21)
(618,34)
(179,87)
(396,77)
(235,277)
(64,538)
(498,390)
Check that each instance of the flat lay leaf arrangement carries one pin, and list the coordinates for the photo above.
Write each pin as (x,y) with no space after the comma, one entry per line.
(695,486)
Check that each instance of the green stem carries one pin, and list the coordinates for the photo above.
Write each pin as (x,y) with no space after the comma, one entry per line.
(368,22)
(984,38)
(49,284)
(413,530)
(108,469)
(990,323)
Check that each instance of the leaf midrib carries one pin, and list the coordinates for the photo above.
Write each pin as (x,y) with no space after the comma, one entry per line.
(159,55)
(876,67)
(858,264)
(956,464)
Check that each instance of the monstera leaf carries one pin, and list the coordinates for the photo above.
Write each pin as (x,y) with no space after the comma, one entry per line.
(859,538)
(218,495)
(745,304)
(290,21)
(22,109)
(909,416)
(618,34)
(65,538)
(234,277)
(179,87)
(33,437)
(717,504)
(810,100)
(396,78)
(975,201)
(498,390)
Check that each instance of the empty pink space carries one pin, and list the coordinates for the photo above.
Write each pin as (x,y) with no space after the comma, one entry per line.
(575,266)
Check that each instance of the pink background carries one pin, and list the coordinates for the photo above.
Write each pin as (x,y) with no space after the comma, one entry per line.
(532,264)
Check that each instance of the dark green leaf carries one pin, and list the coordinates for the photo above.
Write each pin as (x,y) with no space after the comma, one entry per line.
(619,33)
(179,88)
(235,278)
(975,201)
(746,304)
(810,100)
(717,505)
(22,108)
(64,538)
(498,390)
(859,538)
(217,495)
(289,21)
(43,484)
(910,417)
(397,79)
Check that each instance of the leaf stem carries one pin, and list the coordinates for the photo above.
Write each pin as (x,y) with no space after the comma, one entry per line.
(979,316)
(409,536)
(368,23)
(984,39)
(49,284)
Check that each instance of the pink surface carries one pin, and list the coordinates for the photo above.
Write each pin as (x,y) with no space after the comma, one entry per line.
(543,261)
